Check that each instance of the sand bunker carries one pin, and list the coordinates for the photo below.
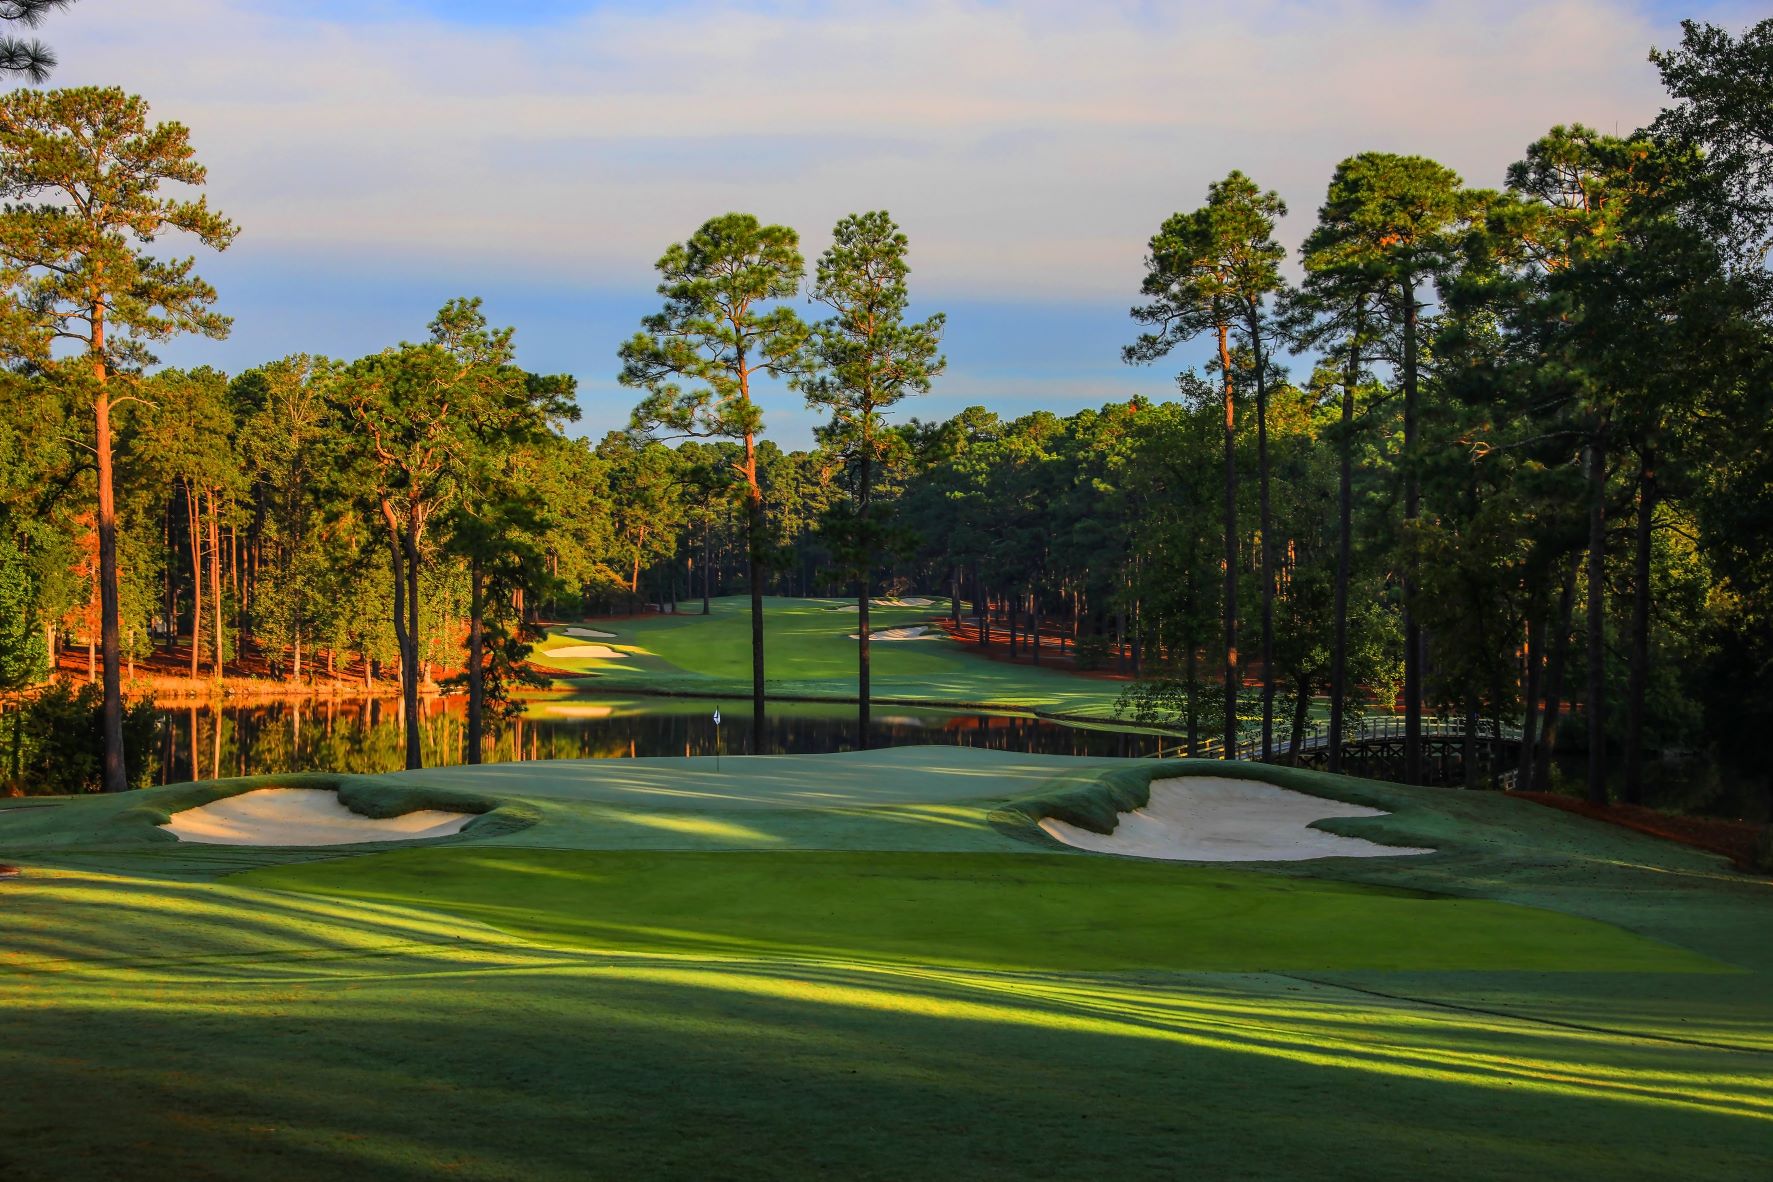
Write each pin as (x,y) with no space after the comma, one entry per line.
(1215,819)
(909,632)
(913,602)
(303,816)
(580,652)
(591,633)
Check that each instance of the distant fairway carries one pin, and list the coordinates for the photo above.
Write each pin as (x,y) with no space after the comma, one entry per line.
(872,964)
(809,653)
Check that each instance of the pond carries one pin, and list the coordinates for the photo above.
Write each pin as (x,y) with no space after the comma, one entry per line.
(197,742)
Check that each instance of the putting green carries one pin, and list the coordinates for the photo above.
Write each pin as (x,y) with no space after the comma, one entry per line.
(976,911)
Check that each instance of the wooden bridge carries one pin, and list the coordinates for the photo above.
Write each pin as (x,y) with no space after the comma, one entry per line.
(1375,749)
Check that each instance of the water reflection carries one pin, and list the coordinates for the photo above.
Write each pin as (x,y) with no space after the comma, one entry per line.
(198,742)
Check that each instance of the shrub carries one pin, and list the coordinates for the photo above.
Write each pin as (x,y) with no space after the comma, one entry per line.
(56,742)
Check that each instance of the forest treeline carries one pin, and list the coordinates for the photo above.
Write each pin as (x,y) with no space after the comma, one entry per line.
(1498,452)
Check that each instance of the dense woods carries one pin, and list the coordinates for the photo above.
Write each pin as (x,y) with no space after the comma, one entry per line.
(1494,453)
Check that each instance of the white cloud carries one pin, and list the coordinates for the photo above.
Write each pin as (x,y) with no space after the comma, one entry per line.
(1029,149)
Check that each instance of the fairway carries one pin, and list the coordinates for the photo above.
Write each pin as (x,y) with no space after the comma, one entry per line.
(976,911)
(809,653)
(874,963)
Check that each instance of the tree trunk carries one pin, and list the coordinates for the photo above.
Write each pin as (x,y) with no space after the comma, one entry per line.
(865,545)
(1191,671)
(1638,689)
(1344,561)
(754,530)
(191,515)
(1232,678)
(1468,763)
(1301,711)
(476,659)
(405,633)
(114,776)
(411,668)
(1412,629)
(707,572)
(1265,523)
(1557,653)
(215,584)
(1524,781)
(1596,706)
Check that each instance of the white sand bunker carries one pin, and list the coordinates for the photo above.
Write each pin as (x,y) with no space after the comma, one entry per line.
(303,816)
(910,632)
(580,652)
(1216,819)
(591,633)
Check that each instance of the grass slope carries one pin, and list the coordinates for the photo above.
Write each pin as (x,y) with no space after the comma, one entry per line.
(977,911)
(809,653)
(647,969)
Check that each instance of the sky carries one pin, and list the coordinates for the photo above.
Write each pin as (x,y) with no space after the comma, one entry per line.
(383,156)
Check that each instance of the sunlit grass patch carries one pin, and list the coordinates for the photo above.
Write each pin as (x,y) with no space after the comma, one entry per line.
(984,911)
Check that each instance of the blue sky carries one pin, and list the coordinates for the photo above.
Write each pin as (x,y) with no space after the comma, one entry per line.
(382,156)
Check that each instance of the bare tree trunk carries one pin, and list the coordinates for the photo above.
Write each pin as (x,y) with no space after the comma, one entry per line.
(1638,689)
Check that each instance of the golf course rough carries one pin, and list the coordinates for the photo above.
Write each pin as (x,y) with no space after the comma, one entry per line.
(877,964)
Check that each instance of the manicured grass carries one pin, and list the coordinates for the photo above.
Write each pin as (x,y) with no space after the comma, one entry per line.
(979,911)
(809,653)
(647,968)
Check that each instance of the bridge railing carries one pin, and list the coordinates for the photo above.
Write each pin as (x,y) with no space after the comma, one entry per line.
(1316,737)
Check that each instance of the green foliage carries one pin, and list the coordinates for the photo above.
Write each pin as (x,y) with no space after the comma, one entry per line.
(721,327)
(56,744)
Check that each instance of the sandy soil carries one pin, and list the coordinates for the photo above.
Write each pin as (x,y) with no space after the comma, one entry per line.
(591,633)
(303,816)
(580,652)
(910,632)
(1215,819)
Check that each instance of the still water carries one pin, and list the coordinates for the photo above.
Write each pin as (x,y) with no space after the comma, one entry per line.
(199,742)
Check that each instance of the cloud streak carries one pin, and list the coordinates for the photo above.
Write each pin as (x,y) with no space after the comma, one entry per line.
(1029,148)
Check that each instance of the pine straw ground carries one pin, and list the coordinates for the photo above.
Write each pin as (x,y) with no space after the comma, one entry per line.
(1734,839)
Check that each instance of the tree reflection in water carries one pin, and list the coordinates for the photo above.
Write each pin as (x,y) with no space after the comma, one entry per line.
(365,736)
